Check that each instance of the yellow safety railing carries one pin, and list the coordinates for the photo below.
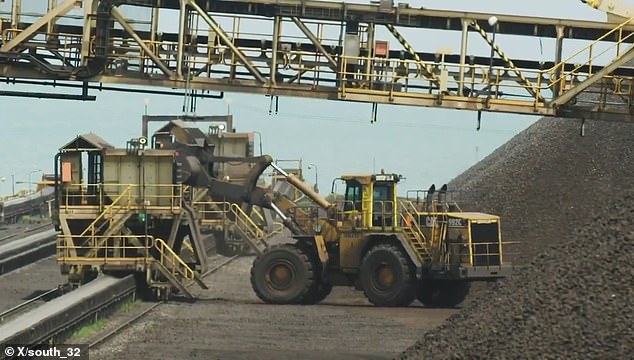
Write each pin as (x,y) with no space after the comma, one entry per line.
(119,248)
(276,228)
(590,53)
(212,210)
(246,224)
(358,209)
(66,44)
(409,214)
(257,214)
(148,196)
(486,253)
(171,260)
(403,78)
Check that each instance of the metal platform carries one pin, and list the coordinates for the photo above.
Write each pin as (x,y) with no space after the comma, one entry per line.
(321,49)
(24,251)
(46,321)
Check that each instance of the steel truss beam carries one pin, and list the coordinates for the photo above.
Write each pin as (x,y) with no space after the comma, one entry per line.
(309,34)
(274,60)
(32,30)
(227,41)
(130,30)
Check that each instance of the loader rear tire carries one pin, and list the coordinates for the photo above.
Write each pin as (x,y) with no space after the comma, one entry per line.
(443,293)
(283,274)
(387,277)
(318,293)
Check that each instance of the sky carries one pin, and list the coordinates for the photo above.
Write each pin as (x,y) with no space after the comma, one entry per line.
(424,145)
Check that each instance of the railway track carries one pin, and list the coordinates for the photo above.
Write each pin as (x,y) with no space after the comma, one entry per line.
(34,245)
(103,338)
(15,233)
(22,307)
(57,319)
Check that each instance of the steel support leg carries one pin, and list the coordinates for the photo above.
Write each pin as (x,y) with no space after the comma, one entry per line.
(277,28)
(463,55)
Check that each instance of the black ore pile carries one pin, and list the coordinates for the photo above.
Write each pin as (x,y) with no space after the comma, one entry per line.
(574,301)
(569,201)
(548,181)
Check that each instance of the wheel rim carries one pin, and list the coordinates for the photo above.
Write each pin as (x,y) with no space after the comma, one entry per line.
(383,277)
(281,275)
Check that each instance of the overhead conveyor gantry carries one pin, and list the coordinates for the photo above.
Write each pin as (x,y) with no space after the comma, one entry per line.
(318,49)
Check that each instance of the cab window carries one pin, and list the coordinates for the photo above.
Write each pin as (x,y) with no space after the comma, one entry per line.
(353,196)
(382,204)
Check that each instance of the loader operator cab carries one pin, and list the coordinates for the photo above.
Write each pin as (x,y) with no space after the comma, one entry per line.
(370,200)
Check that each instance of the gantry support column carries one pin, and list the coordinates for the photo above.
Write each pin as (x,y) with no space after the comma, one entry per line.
(368,64)
(51,24)
(559,47)
(89,24)
(154,25)
(16,8)
(277,29)
(181,39)
(463,55)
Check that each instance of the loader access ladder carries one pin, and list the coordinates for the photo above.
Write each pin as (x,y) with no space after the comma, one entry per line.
(412,231)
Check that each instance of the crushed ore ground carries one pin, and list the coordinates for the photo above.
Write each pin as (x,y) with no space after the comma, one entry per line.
(229,322)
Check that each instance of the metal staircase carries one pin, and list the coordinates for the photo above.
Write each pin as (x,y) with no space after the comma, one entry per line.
(110,212)
(108,223)
(248,229)
(233,217)
(175,272)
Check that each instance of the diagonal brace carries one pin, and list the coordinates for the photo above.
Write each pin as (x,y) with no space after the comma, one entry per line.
(32,30)
(309,34)
(157,60)
(225,38)
(527,84)
(426,69)
(572,93)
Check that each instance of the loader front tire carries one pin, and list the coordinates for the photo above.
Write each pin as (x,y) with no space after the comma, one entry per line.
(283,274)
